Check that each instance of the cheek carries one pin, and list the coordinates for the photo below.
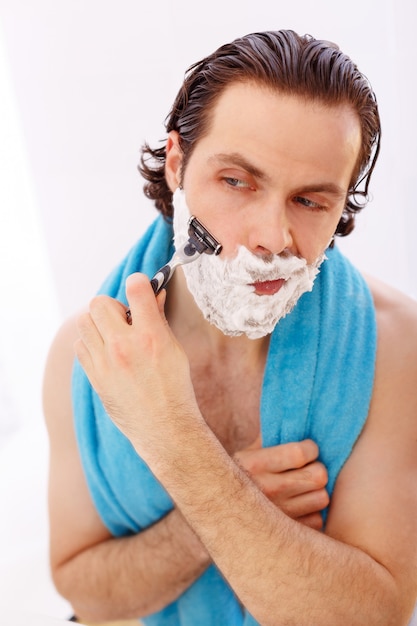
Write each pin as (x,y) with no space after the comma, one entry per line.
(228,233)
(219,221)
(310,243)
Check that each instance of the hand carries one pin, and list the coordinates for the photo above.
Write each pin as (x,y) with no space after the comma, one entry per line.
(139,370)
(290,476)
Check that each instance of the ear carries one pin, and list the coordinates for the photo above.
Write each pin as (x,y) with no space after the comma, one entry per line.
(173,161)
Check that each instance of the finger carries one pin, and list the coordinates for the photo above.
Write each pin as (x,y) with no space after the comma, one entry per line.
(142,302)
(305,504)
(88,332)
(107,314)
(83,355)
(285,485)
(86,361)
(314,521)
(316,473)
(278,458)
(291,455)
(160,300)
(89,347)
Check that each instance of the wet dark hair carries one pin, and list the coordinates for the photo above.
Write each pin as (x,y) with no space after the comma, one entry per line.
(289,63)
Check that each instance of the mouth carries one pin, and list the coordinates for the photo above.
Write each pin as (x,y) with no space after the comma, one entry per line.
(268,287)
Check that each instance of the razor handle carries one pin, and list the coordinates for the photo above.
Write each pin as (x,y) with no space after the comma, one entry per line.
(161,278)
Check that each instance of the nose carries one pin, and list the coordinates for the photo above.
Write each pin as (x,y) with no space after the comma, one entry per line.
(270,231)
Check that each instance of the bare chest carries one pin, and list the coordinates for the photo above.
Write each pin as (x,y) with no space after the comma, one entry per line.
(229,399)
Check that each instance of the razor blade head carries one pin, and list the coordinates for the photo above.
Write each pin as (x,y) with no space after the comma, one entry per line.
(201,238)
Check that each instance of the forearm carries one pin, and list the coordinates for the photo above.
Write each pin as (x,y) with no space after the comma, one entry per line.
(280,569)
(133,576)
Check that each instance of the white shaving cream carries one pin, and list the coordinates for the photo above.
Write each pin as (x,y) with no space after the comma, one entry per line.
(223,289)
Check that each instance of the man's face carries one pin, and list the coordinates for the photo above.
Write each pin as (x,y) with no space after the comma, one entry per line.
(270,181)
(272,173)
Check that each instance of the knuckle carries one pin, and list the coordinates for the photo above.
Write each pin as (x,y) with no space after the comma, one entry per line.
(312,449)
(299,454)
(120,352)
(319,474)
(322,498)
(304,452)
(315,474)
(98,303)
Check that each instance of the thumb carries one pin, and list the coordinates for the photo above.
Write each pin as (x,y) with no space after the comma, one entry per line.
(141,299)
(160,300)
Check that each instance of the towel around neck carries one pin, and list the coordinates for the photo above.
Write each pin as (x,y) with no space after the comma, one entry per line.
(317,384)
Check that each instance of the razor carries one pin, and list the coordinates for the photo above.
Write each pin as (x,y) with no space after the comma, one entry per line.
(199,240)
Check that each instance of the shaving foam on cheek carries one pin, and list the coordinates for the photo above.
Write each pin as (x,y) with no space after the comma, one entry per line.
(181,218)
(223,291)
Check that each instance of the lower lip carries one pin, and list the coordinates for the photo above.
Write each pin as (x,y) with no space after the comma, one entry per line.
(269,287)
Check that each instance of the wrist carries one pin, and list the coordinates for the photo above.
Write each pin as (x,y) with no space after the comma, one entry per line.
(166,433)
(191,542)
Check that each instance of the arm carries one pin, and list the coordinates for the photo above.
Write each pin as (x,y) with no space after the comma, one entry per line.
(106,578)
(363,572)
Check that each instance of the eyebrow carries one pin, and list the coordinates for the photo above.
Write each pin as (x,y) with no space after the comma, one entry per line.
(329,188)
(234,158)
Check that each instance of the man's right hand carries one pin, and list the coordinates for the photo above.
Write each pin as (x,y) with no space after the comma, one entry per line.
(290,476)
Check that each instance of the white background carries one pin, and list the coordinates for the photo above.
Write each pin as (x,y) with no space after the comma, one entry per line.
(82,85)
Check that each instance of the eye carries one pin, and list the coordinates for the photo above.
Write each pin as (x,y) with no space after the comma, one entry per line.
(309,204)
(236,182)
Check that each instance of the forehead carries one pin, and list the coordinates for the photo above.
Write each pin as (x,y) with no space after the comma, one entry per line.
(270,127)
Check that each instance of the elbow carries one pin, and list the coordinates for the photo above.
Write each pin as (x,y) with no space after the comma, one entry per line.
(86,607)
(97,603)
(402,605)
(65,585)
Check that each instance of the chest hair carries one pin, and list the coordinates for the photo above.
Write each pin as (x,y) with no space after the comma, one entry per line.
(229,399)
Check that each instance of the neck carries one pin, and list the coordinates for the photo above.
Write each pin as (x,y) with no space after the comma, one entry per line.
(188,323)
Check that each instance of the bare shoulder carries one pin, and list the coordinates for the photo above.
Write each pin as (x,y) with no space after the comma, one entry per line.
(395,390)
(70,532)
(390,432)
(57,377)
(397,328)
(65,337)
(393,307)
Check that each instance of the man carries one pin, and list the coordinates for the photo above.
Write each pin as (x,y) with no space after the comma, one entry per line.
(191,478)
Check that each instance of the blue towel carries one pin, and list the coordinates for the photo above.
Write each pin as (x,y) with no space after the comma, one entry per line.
(317,383)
